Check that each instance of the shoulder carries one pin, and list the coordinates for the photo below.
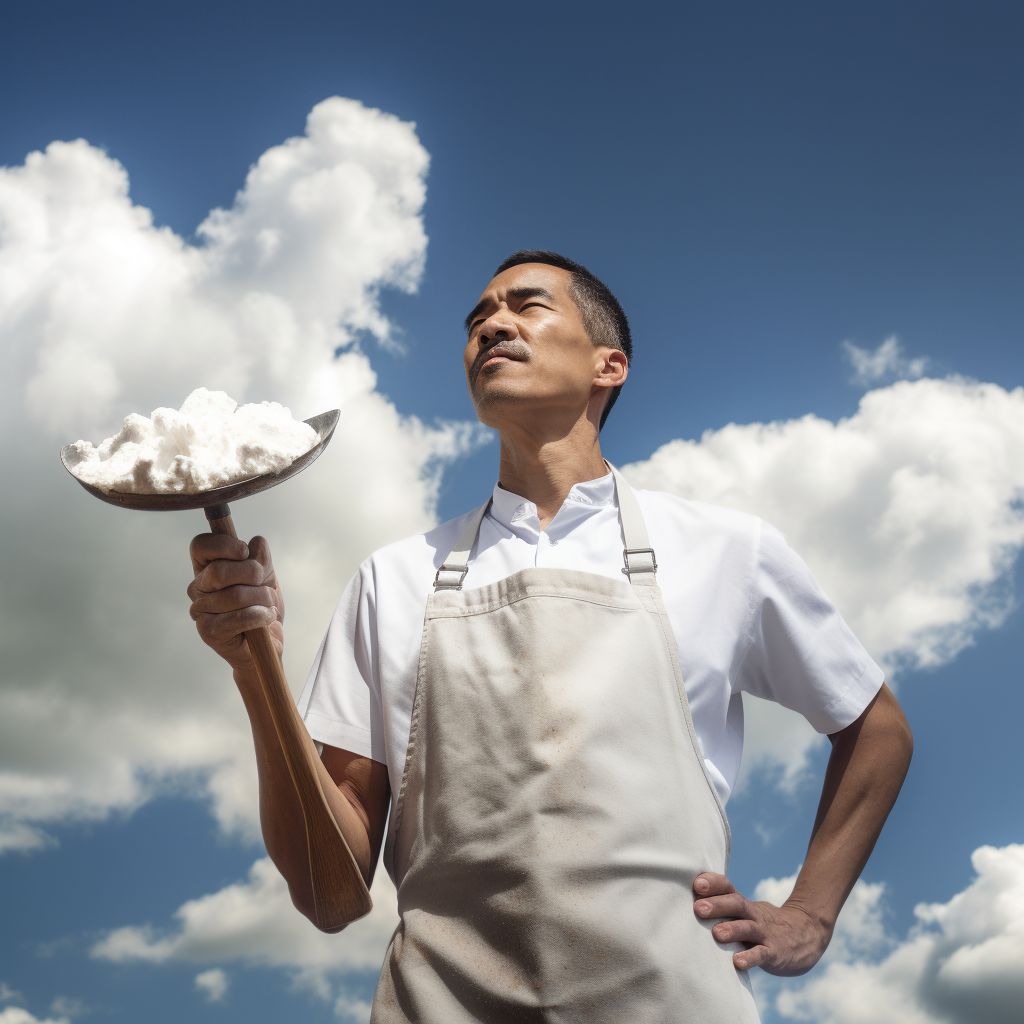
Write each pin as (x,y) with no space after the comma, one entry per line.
(735,541)
(700,519)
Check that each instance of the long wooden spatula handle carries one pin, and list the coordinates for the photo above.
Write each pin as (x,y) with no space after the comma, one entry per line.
(339,891)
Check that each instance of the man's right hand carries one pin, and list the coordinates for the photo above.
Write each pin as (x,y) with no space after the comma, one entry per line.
(234,589)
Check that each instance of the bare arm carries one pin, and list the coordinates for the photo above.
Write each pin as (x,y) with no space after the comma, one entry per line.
(869,762)
(235,589)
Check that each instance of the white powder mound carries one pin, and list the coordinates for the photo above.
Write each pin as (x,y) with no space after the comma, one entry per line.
(209,442)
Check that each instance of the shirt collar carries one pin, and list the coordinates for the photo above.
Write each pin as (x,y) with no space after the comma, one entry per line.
(514,511)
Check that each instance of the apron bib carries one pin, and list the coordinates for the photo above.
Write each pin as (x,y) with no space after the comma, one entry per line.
(554,810)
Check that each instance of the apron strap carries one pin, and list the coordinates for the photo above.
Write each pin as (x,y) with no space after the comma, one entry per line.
(638,555)
(454,568)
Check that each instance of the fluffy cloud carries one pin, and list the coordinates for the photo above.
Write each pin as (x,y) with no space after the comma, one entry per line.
(107,695)
(213,984)
(909,513)
(16,1015)
(962,963)
(255,924)
(887,362)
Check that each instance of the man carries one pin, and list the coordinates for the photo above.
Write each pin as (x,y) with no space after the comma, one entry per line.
(546,692)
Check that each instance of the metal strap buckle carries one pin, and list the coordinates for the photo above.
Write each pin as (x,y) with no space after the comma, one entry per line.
(653,567)
(462,570)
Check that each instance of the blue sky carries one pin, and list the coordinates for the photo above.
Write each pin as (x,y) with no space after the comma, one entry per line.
(758,183)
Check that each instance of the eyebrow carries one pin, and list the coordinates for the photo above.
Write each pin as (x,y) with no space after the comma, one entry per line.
(522,294)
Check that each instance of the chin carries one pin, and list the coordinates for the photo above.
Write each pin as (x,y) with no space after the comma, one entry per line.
(491,401)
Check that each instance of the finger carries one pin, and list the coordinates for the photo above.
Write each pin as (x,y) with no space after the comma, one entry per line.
(227,625)
(260,550)
(207,547)
(710,883)
(232,599)
(739,931)
(223,573)
(756,956)
(732,904)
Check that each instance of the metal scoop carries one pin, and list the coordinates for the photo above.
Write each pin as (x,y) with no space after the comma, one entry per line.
(339,891)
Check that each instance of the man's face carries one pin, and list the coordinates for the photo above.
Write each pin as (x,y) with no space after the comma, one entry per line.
(528,354)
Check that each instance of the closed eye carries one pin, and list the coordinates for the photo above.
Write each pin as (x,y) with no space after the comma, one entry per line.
(526,305)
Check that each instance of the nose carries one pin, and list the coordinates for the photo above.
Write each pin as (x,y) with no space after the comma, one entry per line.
(499,326)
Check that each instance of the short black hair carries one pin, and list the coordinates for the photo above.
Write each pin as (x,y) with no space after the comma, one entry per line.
(603,318)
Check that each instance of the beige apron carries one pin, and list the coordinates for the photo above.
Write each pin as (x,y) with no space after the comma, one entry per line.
(554,809)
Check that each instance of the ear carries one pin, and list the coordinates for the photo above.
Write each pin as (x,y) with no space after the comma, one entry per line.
(611,368)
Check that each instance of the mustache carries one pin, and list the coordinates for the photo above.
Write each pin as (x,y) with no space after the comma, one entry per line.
(514,348)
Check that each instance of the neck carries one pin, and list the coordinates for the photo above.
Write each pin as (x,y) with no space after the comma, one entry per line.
(543,469)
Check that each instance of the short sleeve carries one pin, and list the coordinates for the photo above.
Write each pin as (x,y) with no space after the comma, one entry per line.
(802,654)
(341,701)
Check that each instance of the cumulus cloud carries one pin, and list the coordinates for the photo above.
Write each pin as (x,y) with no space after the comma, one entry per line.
(107,696)
(961,963)
(68,1006)
(16,1015)
(909,513)
(254,923)
(355,1010)
(885,363)
(213,984)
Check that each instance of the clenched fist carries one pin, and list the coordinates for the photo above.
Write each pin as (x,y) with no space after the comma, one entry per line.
(234,590)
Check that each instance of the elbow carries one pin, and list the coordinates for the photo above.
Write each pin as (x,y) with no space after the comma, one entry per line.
(908,742)
(302,901)
(902,737)
(893,726)
(900,743)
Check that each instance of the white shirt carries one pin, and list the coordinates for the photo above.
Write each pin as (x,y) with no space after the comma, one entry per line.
(746,613)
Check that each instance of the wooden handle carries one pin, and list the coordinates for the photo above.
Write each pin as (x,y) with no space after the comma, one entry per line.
(339,891)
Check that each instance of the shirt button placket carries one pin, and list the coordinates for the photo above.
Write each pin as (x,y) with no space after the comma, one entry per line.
(543,548)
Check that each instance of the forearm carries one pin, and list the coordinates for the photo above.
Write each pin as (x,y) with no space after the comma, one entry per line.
(281,820)
(866,770)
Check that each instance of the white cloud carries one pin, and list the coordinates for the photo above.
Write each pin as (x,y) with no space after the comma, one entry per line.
(887,362)
(255,924)
(355,1010)
(909,513)
(68,1006)
(107,695)
(16,1015)
(7,993)
(213,984)
(962,963)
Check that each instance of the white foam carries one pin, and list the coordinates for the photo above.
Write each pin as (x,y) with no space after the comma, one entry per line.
(209,442)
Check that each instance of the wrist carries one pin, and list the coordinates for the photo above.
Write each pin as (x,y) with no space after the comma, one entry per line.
(820,918)
(246,678)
